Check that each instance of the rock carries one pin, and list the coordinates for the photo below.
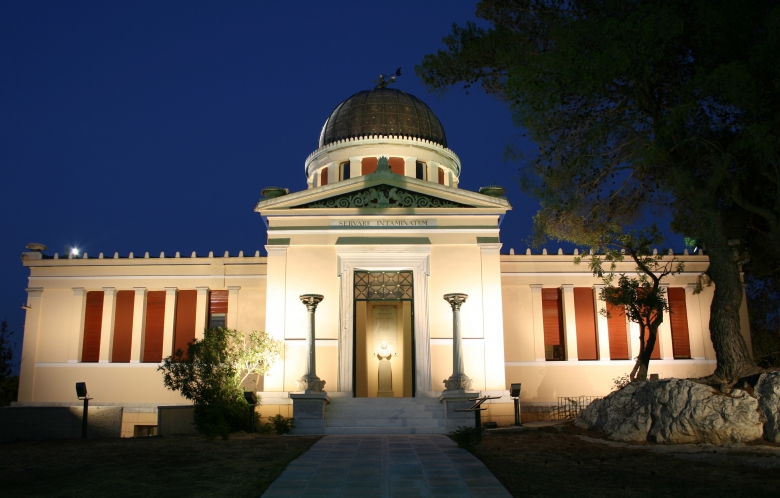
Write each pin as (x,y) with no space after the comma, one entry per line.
(768,392)
(674,411)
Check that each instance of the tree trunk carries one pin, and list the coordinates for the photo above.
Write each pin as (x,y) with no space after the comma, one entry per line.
(734,359)
(642,365)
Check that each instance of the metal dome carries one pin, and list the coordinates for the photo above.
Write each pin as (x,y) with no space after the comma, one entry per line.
(382,111)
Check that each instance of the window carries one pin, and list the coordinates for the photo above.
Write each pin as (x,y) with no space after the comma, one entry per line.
(93,322)
(144,430)
(123,326)
(553,324)
(184,329)
(323,176)
(678,318)
(218,307)
(344,171)
(585,317)
(441,176)
(420,170)
(155,322)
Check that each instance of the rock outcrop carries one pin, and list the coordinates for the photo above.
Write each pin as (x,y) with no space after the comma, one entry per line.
(767,391)
(675,411)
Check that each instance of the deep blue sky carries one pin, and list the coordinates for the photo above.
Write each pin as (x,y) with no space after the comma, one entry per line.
(153,126)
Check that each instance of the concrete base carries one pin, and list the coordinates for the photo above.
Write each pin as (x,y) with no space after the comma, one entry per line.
(457,400)
(309,412)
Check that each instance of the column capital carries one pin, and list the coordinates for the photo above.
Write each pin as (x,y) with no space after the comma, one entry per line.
(79,291)
(311,300)
(536,287)
(109,290)
(34,291)
(567,287)
(140,290)
(171,290)
(456,300)
(234,288)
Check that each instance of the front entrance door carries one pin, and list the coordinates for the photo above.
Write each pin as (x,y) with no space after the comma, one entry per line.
(384,335)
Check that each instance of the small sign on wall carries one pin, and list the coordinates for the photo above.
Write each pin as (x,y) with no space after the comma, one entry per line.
(383,223)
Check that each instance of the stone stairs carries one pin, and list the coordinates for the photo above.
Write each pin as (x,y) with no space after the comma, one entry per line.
(381,416)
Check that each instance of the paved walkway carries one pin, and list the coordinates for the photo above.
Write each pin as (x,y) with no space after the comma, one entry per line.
(394,465)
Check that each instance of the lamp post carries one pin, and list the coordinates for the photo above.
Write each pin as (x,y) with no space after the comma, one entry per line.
(515,394)
(81,393)
(310,383)
(458,381)
(251,399)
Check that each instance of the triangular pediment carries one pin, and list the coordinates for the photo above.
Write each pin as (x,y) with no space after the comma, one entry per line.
(382,190)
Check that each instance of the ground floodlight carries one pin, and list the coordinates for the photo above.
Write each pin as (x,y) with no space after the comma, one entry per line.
(81,390)
(250,397)
(515,391)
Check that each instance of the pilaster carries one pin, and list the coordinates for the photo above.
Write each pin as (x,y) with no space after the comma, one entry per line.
(170,318)
(538,325)
(633,339)
(139,324)
(602,324)
(232,312)
(32,323)
(107,324)
(410,166)
(78,310)
(275,305)
(201,311)
(355,167)
(492,316)
(569,322)
(665,332)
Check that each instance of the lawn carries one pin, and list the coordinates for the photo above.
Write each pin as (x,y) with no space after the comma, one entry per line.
(558,462)
(244,465)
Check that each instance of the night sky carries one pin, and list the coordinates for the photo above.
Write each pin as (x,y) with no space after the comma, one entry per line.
(153,126)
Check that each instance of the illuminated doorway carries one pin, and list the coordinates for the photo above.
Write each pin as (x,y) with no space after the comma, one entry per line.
(383,351)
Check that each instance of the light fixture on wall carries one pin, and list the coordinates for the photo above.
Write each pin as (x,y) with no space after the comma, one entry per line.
(81,393)
(26,307)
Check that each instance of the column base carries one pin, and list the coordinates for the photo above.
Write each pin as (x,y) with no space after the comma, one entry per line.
(309,412)
(457,400)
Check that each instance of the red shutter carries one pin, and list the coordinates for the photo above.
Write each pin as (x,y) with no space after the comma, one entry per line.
(324,176)
(396,165)
(123,326)
(552,317)
(441,176)
(585,317)
(678,314)
(616,328)
(155,322)
(369,164)
(93,322)
(185,319)
(218,301)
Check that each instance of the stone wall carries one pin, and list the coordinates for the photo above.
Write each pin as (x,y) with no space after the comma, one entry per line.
(58,422)
(176,420)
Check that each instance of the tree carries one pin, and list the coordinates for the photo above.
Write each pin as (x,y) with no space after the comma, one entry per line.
(9,384)
(640,107)
(211,372)
(640,296)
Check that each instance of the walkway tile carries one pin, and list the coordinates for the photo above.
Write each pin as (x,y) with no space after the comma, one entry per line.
(386,466)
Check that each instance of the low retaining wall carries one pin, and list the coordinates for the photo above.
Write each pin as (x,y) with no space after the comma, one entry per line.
(176,420)
(26,423)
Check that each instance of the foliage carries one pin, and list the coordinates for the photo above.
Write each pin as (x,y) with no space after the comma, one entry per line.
(763,298)
(211,372)
(9,390)
(640,296)
(660,106)
(6,351)
(466,437)
(279,424)
(620,382)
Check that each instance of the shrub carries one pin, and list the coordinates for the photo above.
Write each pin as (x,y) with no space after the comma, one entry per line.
(280,424)
(465,437)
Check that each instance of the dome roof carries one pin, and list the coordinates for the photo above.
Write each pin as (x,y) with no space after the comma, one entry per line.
(382,111)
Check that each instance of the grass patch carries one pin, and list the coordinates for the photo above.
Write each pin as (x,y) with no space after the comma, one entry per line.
(244,465)
(555,462)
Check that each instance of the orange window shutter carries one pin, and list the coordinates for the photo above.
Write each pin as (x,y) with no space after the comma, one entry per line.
(585,317)
(396,165)
(93,323)
(324,176)
(218,302)
(552,317)
(678,315)
(184,330)
(369,164)
(155,322)
(123,326)
(616,328)
(441,176)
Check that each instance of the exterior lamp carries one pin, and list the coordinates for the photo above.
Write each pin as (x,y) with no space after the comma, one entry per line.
(251,398)
(81,393)
(514,392)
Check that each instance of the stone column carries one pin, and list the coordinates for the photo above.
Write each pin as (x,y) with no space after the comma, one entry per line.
(107,324)
(458,381)
(538,322)
(77,324)
(201,311)
(310,383)
(170,321)
(139,324)
(602,323)
(569,322)
(232,311)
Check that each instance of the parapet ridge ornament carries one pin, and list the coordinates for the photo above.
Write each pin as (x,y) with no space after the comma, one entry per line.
(383,196)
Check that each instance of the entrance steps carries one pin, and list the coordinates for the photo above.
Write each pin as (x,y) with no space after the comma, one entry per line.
(384,416)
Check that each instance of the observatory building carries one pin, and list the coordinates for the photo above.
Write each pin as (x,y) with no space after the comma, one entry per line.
(397,273)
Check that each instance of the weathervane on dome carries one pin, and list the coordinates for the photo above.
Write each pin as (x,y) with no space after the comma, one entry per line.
(384,83)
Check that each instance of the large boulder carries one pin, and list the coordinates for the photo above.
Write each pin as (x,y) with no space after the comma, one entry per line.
(767,391)
(674,411)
